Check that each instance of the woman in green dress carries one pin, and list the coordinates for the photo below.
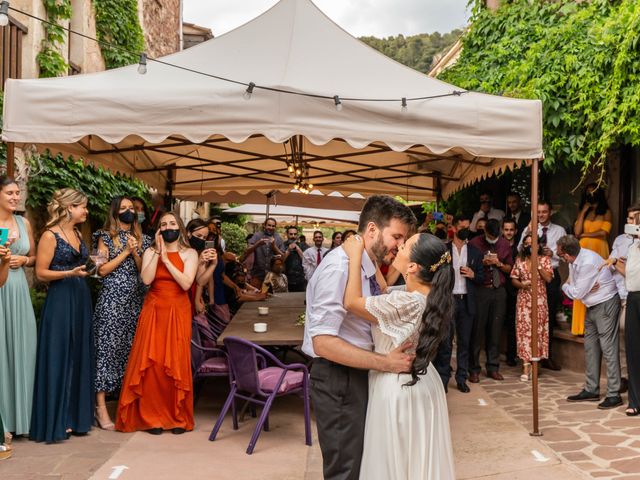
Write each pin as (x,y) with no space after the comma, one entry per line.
(17,320)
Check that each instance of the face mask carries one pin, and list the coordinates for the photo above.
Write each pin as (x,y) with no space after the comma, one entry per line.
(170,236)
(480,231)
(527,250)
(492,242)
(591,198)
(127,217)
(463,234)
(141,217)
(196,243)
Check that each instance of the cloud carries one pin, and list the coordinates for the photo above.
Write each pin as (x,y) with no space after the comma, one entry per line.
(380,18)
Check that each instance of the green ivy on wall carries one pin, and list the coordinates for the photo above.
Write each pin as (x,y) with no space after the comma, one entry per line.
(100,185)
(49,59)
(582,59)
(117,23)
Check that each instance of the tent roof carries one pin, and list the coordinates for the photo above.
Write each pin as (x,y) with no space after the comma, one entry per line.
(198,132)
(291,211)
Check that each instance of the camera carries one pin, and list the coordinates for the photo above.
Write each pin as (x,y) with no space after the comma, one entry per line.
(631,229)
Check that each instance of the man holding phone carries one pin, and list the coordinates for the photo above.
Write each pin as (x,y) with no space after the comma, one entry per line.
(293,255)
(264,245)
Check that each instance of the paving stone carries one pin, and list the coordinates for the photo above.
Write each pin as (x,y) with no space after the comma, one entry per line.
(570,446)
(609,440)
(576,456)
(627,466)
(594,428)
(632,431)
(621,423)
(587,466)
(558,434)
(613,453)
(602,473)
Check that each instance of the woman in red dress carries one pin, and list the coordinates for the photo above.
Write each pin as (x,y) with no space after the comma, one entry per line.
(157,391)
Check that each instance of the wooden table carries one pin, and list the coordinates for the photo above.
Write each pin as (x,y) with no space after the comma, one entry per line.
(284,309)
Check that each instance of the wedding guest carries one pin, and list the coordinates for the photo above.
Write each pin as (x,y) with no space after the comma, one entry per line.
(157,392)
(549,233)
(597,289)
(119,301)
(5,259)
(521,278)
(313,255)
(159,209)
(468,277)
(244,293)
(515,213)
(592,227)
(264,245)
(348,233)
(509,233)
(480,226)
(63,397)
(142,215)
(202,291)
(336,241)
(486,211)
(275,281)
(630,269)
(491,300)
(215,232)
(17,321)
(293,253)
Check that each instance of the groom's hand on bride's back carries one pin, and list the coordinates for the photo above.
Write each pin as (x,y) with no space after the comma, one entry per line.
(398,361)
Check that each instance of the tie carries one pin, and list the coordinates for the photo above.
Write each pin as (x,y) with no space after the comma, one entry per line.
(495,275)
(374,286)
(318,257)
(543,239)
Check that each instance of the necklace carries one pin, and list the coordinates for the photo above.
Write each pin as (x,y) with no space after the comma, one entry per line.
(67,238)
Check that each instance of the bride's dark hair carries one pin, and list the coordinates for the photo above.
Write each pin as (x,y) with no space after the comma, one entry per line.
(435,269)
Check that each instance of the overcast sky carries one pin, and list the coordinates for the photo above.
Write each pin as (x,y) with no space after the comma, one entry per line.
(380,18)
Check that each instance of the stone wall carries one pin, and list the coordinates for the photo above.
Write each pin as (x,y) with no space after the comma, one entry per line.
(161,22)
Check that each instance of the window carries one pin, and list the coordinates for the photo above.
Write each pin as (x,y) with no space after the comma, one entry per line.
(11,50)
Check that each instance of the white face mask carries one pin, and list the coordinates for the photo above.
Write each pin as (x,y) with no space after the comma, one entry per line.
(632,229)
(492,242)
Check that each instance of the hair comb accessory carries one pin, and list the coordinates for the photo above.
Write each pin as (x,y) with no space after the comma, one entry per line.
(445,258)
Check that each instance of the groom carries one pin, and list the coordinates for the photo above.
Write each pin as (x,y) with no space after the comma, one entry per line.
(341,344)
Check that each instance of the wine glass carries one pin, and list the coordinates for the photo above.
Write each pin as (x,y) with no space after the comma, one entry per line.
(12,237)
(99,258)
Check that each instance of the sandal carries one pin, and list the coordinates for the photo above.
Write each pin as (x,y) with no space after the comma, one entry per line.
(5,452)
(110,426)
(632,412)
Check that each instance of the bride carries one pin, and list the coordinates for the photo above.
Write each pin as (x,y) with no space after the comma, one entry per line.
(407,428)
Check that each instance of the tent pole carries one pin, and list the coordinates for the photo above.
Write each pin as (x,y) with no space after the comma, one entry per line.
(534,296)
(11,152)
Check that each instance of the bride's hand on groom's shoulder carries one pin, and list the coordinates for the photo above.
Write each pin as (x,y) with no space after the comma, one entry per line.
(398,361)
(353,246)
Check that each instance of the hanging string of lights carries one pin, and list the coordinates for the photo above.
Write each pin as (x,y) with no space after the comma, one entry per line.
(5,7)
(297,167)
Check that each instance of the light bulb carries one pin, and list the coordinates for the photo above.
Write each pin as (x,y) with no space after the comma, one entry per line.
(247,93)
(290,168)
(142,64)
(298,171)
(403,108)
(4,13)
(337,103)
(311,186)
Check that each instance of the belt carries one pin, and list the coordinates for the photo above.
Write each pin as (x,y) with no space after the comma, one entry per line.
(492,287)
(459,296)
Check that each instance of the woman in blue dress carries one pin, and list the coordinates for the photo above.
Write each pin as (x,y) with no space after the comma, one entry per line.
(120,300)
(63,391)
(17,321)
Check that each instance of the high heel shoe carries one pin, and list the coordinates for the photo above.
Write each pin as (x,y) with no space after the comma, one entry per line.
(110,426)
(5,451)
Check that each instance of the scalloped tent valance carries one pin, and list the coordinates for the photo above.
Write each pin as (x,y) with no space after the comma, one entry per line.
(196,133)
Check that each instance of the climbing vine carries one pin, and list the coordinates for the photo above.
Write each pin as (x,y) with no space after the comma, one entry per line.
(117,24)
(582,59)
(49,59)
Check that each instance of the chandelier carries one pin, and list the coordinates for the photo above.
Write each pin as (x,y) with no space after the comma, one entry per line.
(297,167)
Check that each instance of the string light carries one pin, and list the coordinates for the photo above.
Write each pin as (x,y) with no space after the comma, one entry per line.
(337,102)
(4,13)
(142,64)
(247,93)
(403,108)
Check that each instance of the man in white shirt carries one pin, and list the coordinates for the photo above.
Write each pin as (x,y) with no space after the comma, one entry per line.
(549,234)
(596,288)
(312,256)
(486,211)
(341,343)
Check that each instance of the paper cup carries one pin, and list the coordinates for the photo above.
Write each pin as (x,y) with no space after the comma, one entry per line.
(259,327)
(263,310)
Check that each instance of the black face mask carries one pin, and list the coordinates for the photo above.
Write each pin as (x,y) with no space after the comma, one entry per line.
(463,234)
(127,217)
(196,243)
(170,236)
(480,231)
(527,250)
(591,198)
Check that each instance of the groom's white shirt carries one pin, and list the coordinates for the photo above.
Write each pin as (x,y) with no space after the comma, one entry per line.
(325,314)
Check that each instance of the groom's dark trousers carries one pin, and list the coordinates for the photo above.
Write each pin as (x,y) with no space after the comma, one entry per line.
(340,395)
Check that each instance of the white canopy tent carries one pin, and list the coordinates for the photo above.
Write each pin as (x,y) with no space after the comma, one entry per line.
(301,213)
(179,128)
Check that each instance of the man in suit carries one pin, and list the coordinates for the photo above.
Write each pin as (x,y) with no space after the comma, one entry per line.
(510,233)
(514,212)
(468,270)
(486,211)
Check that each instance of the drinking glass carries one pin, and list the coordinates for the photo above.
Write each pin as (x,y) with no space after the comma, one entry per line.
(99,258)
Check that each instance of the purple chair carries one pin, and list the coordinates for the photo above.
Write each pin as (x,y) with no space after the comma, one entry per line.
(207,360)
(254,382)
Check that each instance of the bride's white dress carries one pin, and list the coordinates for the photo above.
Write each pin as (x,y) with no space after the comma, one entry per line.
(407,429)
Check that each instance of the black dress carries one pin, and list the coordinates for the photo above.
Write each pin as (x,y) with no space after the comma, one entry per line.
(63,395)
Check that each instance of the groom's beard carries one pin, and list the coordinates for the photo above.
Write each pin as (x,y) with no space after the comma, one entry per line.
(380,252)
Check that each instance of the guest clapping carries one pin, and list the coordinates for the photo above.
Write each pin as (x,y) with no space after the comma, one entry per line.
(63,391)
(17,321)
(202,290)
(119,301)
(157,392)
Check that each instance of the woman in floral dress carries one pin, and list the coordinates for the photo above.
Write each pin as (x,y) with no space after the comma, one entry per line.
(521,278)
(120,300)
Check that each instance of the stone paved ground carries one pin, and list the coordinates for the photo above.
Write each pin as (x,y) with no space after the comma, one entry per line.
(603,443)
